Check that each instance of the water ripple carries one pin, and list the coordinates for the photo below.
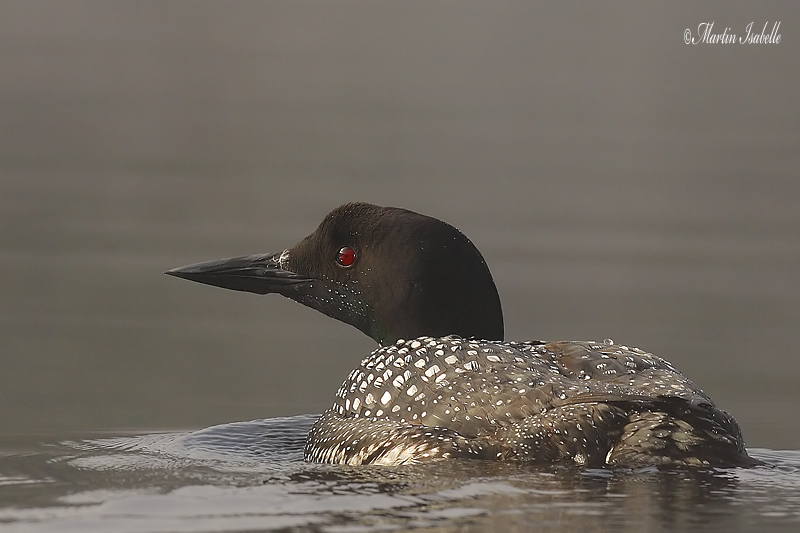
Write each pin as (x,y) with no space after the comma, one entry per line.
(250,476)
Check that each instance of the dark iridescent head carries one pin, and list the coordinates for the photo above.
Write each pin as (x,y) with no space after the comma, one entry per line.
(390,272)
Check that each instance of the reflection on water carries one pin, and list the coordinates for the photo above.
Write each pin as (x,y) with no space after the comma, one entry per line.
(250,476)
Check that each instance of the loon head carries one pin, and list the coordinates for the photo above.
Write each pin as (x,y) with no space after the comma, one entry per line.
(390,272)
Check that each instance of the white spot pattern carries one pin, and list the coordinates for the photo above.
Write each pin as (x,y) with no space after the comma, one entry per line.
(521,399)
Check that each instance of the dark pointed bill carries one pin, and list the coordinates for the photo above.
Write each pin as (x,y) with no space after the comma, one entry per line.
(261,274)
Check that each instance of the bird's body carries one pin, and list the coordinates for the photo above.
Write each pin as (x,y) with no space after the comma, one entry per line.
(444,384)
(587,402)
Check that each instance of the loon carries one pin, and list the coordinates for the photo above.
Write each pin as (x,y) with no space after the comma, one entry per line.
(444,383)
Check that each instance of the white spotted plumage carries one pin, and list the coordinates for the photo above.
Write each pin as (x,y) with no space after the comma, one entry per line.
(523,401)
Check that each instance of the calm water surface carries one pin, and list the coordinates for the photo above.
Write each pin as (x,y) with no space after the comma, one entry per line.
(619,182)
(250,477)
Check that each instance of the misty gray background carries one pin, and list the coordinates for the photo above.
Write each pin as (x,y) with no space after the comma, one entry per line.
(619,182)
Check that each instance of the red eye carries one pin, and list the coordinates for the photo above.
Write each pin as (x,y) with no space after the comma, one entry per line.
(346,256)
